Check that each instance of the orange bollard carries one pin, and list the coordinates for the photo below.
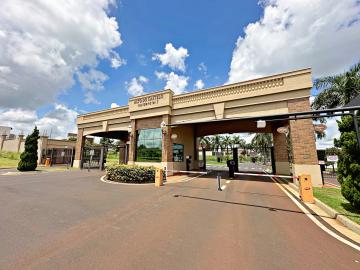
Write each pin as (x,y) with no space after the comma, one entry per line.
(47,162)
(306,189)
(159,177)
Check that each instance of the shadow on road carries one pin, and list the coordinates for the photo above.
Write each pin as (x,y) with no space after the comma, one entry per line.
(274,209)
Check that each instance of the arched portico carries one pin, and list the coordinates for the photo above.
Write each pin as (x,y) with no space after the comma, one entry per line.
(229,108)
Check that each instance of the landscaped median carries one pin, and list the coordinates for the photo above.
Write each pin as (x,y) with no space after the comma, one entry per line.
(131,174)
(333,198)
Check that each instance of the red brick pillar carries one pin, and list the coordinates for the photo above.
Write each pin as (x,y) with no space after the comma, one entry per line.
(167,146)
(132,139)
(303,143)
(281,153)
(80,141)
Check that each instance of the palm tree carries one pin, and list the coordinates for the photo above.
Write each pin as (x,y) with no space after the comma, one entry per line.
(337,90)
(236,140)
(217,142)
(205,141)
(227,143)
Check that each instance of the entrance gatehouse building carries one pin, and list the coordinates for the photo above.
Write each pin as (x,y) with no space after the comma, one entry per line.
(162,129)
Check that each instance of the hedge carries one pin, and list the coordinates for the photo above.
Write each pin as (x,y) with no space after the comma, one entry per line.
(130,174)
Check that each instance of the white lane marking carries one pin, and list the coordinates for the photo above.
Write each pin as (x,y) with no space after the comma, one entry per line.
(223,187)
(318,223)
(228,182)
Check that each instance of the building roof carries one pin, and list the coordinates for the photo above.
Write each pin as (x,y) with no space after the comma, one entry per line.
(353,103)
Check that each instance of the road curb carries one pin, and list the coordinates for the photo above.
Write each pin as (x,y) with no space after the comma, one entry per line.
(351,225)
(104,180)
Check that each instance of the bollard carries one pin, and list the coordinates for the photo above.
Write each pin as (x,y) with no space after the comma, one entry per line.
(159,180)
(306,190)
(219,182)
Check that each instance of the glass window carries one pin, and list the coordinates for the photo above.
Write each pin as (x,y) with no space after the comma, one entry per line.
(178,152)
(149,145)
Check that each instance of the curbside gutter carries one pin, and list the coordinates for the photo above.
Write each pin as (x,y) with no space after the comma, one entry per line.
(331,212)
(339,217)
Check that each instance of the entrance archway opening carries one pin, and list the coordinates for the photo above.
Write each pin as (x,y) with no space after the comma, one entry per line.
(250,152)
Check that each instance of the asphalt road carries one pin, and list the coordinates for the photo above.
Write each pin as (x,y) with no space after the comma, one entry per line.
(71,220)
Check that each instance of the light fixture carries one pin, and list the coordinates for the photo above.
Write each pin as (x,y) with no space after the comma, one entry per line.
(320,127)
(261,124)
(130,129)
(174,136)
(163,127)
(283,130)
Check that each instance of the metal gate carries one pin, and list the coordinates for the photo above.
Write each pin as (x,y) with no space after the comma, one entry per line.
(93,157)
(57,156)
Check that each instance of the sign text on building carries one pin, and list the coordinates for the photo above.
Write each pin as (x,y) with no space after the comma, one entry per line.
(148,101)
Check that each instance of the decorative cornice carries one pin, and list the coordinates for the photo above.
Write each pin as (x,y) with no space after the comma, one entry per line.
(228,90)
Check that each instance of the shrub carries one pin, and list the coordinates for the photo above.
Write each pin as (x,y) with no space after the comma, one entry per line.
(28,159)
(349,161)
(130,174)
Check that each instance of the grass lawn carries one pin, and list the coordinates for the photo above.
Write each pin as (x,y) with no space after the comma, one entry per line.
(333,198)
(9,159)
(112,158)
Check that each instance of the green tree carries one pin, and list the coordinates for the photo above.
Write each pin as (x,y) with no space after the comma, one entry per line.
(337,90)
(227,143)
(349,161)
(236,140)
(205,141)
(28,159)
(217,142)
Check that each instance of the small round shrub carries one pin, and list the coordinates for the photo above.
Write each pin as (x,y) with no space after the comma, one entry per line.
(130,174)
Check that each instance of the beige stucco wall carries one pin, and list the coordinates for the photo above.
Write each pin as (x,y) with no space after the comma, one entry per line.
(12,145)
(258,97)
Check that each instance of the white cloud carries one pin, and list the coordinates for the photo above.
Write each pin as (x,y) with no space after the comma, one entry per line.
(175,82)
(199,84)
(92,80)
(58,121)
(116,61)
(202,68)
(141,59)
(332,132)
(322,34)
(44,43)
(174,58)
(90,98)
(136,86)
(114,105)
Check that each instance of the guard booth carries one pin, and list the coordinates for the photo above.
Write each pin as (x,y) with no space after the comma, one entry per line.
(93,157)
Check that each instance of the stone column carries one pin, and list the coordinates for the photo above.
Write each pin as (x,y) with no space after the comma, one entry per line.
(42,145)
(303,143)
(132,140)
(80,141)
(2,140)
(281,153)
(20,140)
(122,153)
(167,146)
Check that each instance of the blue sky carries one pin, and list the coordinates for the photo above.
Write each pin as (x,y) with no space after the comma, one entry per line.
(62,58)
(208,29)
